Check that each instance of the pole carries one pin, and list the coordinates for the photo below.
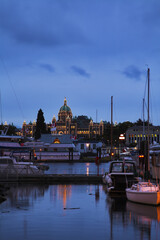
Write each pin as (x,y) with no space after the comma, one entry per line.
(111,125)
(143,121)
(148,117)
(96,124)
(1,107)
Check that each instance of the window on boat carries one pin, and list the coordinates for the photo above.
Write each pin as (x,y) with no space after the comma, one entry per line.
(82,146)
(117,167)
(94,146)
(128,167)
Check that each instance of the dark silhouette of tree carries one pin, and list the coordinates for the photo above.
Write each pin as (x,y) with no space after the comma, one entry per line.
(40,125)
(140,123)
(11,129)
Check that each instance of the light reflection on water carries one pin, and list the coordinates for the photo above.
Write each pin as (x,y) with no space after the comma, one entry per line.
(77,168)
(35,212)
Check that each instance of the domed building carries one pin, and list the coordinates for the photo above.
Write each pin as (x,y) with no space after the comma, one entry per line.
(65,112)
(80,126)
(64,123)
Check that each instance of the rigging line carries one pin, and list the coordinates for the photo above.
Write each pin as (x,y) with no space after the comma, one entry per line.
(151,115)
(145,89)
(142,112)
(12,86)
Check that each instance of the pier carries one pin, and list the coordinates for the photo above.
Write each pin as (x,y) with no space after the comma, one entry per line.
(55,178)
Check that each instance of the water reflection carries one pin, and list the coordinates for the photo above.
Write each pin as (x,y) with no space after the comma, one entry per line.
(143,217)
(77,168)
(37,212)
(142,220)
(24,195)
(64,193)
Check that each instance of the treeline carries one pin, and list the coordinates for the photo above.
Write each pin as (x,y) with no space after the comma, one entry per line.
(118,129)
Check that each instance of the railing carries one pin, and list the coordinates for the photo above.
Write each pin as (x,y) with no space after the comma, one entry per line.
(19,170)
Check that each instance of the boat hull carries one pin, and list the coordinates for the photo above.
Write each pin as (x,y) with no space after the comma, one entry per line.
(151,198)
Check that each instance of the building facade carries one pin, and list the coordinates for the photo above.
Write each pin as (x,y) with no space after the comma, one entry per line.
(78,127)
(137,134)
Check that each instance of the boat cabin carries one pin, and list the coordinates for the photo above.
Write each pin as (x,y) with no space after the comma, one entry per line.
(121,175)
(122,167)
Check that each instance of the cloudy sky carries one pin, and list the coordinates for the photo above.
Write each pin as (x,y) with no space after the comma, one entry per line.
(84,50)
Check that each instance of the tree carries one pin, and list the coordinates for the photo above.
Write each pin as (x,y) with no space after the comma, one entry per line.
(10,129)
(40,125)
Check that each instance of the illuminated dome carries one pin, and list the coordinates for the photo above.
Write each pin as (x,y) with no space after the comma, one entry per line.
(65,107)
(64,112)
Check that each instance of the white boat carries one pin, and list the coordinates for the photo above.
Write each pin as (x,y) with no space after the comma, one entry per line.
(9,166)
(144,192)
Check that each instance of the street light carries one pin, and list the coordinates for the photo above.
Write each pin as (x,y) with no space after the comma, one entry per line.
(121,139)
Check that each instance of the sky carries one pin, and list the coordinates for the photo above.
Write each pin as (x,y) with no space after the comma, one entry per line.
(84,50)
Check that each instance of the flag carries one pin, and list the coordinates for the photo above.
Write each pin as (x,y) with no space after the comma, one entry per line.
(73,137)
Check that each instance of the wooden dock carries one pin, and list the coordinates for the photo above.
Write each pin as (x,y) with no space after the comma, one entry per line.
(55,179)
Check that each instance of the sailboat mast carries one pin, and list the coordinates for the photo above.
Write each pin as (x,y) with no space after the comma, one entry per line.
(143,122)
(111,125)
(148,116)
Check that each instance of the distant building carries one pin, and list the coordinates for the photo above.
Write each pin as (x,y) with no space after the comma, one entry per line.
(54,147)
(80,126)
(28,130)
(136,135)
(87,146)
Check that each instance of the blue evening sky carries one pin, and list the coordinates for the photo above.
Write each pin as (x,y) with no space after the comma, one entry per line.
(84,50)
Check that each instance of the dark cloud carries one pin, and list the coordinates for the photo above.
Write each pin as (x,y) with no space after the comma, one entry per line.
(41,23)
(133,72)
(47,67)
(80,71)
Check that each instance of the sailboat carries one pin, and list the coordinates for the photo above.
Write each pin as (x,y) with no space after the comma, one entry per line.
(145,192)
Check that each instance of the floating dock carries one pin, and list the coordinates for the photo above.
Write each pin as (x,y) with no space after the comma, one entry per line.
(55,178)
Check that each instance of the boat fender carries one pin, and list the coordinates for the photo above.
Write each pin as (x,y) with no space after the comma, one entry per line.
(108,179)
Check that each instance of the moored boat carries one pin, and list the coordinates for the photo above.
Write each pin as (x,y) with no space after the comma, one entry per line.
(9,166)
(144,192)
(122,174)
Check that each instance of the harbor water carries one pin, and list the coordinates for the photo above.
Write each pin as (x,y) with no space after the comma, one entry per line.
(67,211)
(88,168)
(38,212)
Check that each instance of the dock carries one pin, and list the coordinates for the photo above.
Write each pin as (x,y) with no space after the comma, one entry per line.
(55,178)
